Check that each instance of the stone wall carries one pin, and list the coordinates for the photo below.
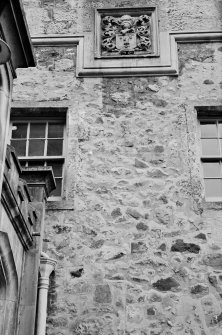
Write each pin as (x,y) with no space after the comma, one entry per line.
(138,248)
(75,16)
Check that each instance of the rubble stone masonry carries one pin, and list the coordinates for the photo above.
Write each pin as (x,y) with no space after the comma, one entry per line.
(139,250)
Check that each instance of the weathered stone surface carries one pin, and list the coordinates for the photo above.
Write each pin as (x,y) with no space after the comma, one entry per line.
(213,279)
(181,246)
(102,294)
(200,289)
(156,173)
(138,247)
(132,175)
(154,88)
(85,327)
(151,311)
(201,236)
(163,215)
(214,261)
(77,273)
(208,82)
(140,164)
(97,244)
(166,284)
(162,247)
(142,226)
(159,149)
(117,256)
(133,213)
(116,213)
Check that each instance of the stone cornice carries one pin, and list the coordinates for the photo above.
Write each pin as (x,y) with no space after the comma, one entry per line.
(21,226)
(197,37)
(88,66)
(16,34)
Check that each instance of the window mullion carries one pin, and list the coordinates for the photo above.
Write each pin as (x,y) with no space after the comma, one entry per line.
(27,140)
(46,139)
(218,137)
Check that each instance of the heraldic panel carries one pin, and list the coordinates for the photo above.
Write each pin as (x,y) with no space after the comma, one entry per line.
(126,32)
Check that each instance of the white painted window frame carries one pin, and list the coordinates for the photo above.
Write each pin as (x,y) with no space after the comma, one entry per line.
(46,119)
(211,158)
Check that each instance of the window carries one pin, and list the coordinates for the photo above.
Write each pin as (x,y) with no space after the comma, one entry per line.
(41,143)
(211,146)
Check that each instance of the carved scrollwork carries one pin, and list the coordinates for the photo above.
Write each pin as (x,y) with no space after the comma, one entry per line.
(109,45)
(126,35)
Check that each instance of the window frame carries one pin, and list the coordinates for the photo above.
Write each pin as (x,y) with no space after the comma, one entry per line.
(206,116)
(46,118)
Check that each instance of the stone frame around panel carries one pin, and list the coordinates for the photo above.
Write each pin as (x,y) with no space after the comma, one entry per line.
(166,64)
(139,26)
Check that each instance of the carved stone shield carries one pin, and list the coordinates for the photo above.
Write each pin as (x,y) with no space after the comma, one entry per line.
(126,43)
(126,32)
(126,35)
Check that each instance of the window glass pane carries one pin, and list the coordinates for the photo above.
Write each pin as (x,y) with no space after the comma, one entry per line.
(36,147)
(57,168)
(220,129)
(57,191)
(55,130)
(211,169)
(20,147)
(220,146)
(37,130)
(19,130)
(208,130)
(213,188)
(210,147)
(54,147)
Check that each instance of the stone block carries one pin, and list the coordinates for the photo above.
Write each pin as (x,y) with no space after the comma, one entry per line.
(181,246)
(166,284)
(102,294)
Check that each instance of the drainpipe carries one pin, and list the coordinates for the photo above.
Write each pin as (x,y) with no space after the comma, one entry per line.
(47,265)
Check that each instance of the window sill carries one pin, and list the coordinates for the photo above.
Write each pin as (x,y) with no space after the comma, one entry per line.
(54,199)
(67,205)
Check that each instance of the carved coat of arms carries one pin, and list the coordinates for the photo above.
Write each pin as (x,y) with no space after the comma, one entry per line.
(126,35)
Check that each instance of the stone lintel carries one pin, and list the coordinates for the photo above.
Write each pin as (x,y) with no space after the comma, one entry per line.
(205,112)
(38,110)
(40,181)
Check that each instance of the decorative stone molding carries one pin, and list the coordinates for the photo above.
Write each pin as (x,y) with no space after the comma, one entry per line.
(16,199)
(165,64)
(22,186)
(126,32)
